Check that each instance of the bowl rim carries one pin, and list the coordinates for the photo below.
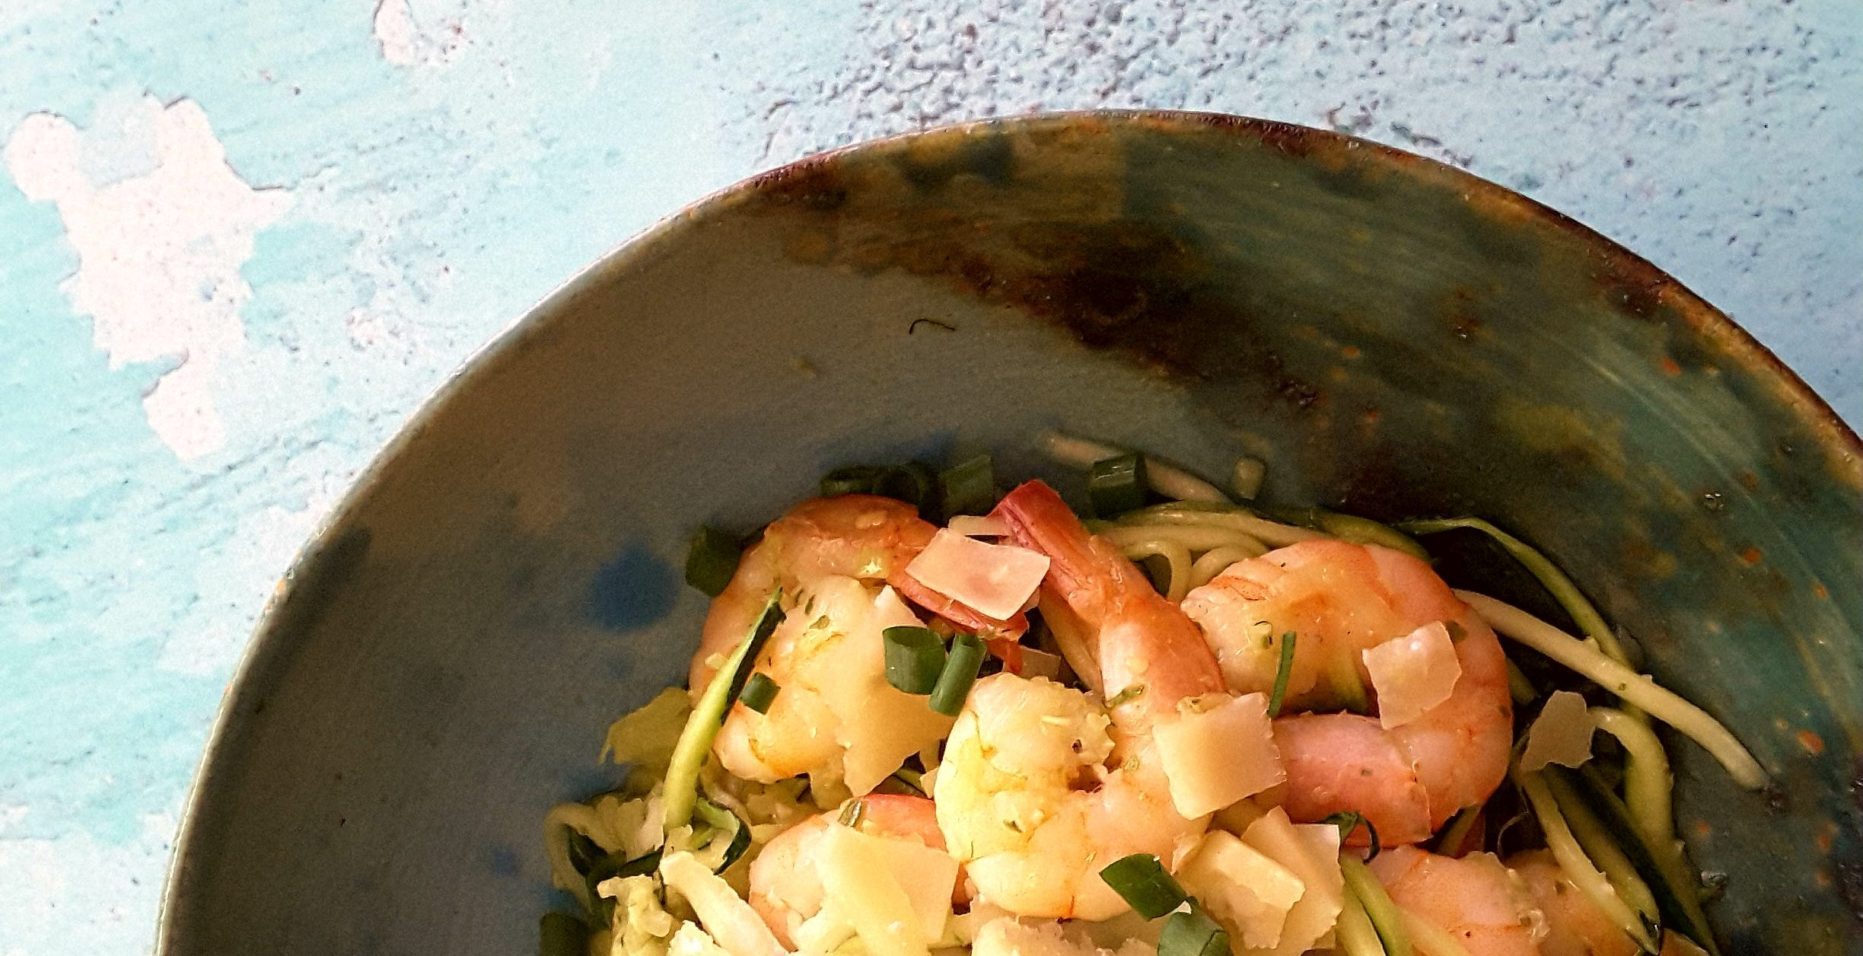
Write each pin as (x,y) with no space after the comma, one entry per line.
(262,662)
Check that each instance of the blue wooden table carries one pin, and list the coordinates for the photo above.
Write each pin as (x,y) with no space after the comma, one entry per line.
(240,242)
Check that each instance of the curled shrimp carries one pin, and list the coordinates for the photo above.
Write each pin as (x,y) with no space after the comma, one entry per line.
(1476,900)
(835,719)
(1041,786)
(785,885)
(865,537)
(1575,926)
(1341,599)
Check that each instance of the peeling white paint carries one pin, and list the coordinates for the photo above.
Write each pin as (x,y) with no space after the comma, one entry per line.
(159,251)
(394,30)
(404,40)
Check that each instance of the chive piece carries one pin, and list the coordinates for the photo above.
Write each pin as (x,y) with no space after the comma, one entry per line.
(1193,933)
(960,672)
(915,658)
(560,934)
(720,820)
(1281,672)
(853,813)
(1384,915)
(759,692)
(711,560)
(695,739)
(968,487)
(607,868)
(1116,485)
(913,483)
(1350,820)
(1141,881)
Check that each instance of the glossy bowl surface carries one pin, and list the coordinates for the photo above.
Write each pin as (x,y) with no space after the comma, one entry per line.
(1393,336)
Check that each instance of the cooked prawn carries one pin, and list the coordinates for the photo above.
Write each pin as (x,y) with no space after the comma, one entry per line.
(1341,599)
(785,885)
(865,537)
(1575,926)
(1475,899)
(836,718)
(1041,785)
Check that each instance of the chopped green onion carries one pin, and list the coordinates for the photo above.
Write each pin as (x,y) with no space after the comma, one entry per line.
(1350,820)
(1383,913)
(852,813)
(695,740)
(1193,933)
(711,560)
(722,820)
(1141,881)
(759,692)
(1281,672)
(960,672)
(610,866)
(560,934)
(915,658)
(1116,485)
(968,487)
(913,483)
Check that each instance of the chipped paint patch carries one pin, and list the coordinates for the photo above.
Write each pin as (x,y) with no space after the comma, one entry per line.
(161,225)
(405,43)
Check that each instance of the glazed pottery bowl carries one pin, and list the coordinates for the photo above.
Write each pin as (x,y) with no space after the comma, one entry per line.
(1393,336)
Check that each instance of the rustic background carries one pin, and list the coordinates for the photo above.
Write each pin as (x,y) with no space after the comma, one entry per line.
(240,242)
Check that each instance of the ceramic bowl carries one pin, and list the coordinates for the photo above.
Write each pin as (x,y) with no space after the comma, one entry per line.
(1393,336)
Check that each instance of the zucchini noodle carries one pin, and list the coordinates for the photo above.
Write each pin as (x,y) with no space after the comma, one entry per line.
(1563,589)
(1354,932)
(1603,851)
(1577,866)
(1192,538)
(1647,781)
(1634,688)
(1163,478)
(1176,557)
(1217,560)
(1196,515)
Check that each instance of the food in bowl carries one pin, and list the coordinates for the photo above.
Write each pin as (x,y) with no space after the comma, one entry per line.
(923,716)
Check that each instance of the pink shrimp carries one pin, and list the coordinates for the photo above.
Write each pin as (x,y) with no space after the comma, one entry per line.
(1475,899)
(1040,787)
(1575,926)
(864,537)
(837,719)
(785,886)
(1341,599)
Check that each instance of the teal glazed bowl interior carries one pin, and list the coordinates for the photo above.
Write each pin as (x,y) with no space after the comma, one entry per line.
(1393,336)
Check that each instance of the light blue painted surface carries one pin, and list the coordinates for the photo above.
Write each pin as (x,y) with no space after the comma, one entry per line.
(406,179)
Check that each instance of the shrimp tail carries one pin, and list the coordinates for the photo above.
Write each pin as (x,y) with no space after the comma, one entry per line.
(1140,640)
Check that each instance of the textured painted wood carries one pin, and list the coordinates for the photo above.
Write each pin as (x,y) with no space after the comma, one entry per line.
(239,243)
